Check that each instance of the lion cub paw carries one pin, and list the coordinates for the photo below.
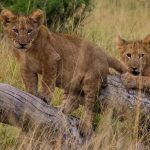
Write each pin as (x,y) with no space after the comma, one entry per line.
(86,129)
(129,81)
(70,104)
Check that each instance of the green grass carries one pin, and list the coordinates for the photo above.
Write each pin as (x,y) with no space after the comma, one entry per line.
(128,18)
(8,136)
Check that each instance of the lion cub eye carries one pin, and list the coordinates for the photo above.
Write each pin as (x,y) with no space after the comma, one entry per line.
(29,31)
(141,55)
(129,55)
(15,30)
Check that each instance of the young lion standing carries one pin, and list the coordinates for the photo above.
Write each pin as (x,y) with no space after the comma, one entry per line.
(68,62)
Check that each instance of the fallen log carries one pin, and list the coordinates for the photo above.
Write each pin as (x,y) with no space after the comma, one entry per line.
(23,110)
(116,93)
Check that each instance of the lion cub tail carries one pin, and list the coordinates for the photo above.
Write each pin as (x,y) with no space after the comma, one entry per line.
(116,64)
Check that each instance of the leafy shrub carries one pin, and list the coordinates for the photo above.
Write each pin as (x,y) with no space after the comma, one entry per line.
(62,15)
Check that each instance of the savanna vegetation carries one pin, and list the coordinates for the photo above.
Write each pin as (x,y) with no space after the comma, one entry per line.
(61,15)
(99,21)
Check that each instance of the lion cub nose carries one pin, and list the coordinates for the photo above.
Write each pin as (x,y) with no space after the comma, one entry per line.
(134,68)
(22,44)
(135,71)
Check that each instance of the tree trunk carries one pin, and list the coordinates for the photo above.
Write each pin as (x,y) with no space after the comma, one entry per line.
(23,110)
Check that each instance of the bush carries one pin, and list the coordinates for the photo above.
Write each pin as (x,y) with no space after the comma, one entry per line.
(62,15)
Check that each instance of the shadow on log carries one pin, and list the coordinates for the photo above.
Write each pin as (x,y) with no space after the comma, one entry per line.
(23,110)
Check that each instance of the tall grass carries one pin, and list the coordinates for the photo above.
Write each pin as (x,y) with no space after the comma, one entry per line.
(128,18)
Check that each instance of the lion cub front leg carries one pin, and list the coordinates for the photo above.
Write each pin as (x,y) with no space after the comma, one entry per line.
(129,80)
(30,80)
(49,72)
(137,82)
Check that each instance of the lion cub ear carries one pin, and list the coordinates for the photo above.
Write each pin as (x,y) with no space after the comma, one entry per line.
(146,43)
(147,39)
(120,42)
(6,17)
(38,17)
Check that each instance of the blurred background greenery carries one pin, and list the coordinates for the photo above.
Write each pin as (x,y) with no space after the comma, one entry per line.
(61,15)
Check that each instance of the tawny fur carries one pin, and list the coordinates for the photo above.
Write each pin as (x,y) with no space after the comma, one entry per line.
(136,56)
(77,66)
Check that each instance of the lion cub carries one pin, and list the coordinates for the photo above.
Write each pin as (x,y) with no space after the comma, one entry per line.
(77,66)
(136,56)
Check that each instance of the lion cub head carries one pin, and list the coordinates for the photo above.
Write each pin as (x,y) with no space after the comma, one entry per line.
(135,54)
(22,29)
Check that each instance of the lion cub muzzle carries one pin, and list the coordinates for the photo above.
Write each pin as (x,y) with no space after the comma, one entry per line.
(135,71)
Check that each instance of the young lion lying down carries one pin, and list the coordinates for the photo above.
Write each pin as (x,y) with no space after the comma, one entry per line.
(77,66)
(136,56)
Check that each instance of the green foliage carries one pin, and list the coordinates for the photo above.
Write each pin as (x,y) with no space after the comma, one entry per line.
(62,15)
